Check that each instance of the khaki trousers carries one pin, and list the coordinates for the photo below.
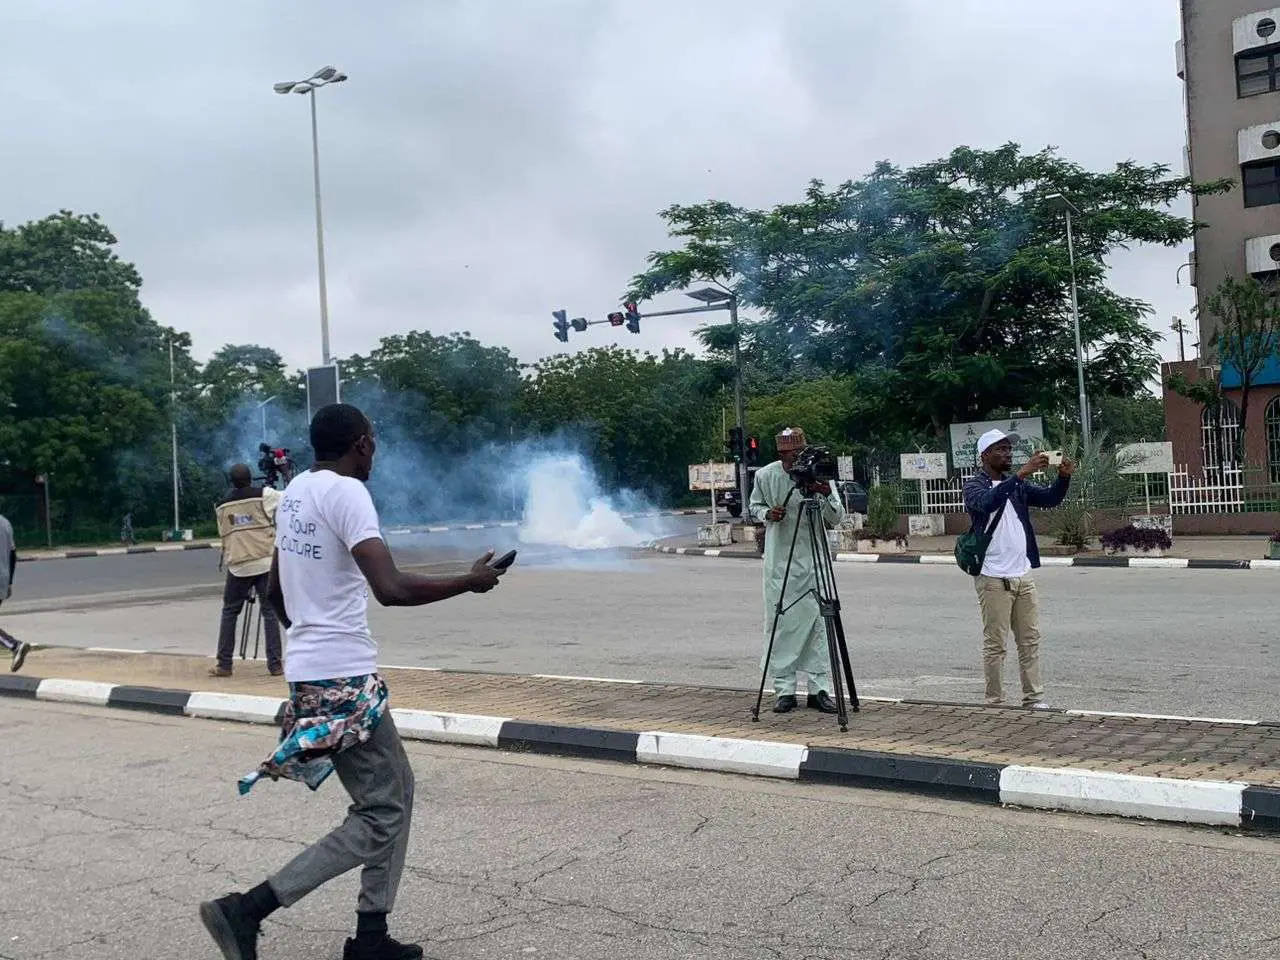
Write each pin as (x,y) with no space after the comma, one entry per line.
(1010,604)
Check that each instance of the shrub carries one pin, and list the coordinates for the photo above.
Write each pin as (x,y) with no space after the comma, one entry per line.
(882,512)
(1140,538)
(1275,537)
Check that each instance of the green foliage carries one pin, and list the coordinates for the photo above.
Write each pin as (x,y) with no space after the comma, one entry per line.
(641,418)
(883,509)
(945,282)
(1096,485)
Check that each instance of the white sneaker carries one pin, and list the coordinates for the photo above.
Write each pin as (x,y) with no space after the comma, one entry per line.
(1039,705)
(19,656)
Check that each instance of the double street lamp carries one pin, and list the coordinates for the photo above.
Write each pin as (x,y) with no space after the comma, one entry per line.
(1060,203)
(321,78)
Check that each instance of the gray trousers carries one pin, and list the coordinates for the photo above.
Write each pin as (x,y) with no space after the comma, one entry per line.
(375,834)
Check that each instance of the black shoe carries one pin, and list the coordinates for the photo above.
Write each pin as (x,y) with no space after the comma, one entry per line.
(821,701)
(385,949)
(19,656)
(786,703)
(234,933)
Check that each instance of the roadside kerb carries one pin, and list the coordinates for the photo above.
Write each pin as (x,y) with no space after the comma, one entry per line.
(1190,770)
(80,554)
(924,559)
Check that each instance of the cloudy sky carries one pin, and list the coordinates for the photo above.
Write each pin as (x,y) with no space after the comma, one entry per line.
(491,160)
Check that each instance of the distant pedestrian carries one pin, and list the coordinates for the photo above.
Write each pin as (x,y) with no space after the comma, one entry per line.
(1007,595)
(126,530)
(247,526)
(18,649)
(329,556)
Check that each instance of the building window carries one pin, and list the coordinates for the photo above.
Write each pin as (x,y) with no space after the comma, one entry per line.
(1271,420)
(1261,183)
(1219,435)
(1258,73)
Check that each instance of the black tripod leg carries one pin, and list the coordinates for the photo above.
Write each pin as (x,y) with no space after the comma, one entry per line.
(257,632)
(244,632)
(773,631)
(844,662)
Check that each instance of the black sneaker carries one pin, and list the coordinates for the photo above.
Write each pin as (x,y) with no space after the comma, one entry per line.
(19,656)
(234,933)
(385,949)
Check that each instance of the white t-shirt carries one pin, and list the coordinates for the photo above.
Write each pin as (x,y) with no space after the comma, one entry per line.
(321,516)
(1007,553)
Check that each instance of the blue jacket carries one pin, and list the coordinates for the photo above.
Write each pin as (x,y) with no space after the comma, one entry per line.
(983,496)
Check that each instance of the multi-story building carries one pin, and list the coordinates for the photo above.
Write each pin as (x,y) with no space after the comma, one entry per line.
(1229,60)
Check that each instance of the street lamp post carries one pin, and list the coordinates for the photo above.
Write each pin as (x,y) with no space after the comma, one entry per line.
(262,409)
(1059,202)
(320,78)
(173,435)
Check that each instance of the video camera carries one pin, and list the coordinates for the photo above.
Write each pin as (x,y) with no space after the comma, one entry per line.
(813,464)
(275,464)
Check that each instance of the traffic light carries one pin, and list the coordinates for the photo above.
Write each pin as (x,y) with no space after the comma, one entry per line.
(616,319)
(633,317)
(753,451)
(561,325)
(735,443)
(580,324)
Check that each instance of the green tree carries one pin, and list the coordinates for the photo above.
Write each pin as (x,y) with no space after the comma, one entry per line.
(641,419)
(943,284)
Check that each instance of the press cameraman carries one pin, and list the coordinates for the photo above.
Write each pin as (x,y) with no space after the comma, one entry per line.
(247,526)
(800,643)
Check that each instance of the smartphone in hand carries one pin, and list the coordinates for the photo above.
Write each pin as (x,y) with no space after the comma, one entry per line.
(1055,457)
(504,561)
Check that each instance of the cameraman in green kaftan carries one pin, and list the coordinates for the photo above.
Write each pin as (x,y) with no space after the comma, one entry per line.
(800,644)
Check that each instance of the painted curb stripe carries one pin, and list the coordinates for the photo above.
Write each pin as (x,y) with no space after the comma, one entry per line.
(75,691)
(569,741)
(18,686)
(864,768)
(449,727)
(1122,794)
(1082,791)
(234,706)
(149,699)
(1260,808)
(1132,563)
(754,757)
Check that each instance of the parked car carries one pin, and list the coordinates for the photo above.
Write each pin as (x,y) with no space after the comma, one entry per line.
(729,501)
(854,496)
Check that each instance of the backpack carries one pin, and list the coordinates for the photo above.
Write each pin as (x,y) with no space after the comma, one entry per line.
(971,547)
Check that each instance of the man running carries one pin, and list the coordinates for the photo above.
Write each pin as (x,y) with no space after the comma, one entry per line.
(329,555)
(18,650)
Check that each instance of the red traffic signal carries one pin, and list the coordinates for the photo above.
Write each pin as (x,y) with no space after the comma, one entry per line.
(633,317)
(616,319)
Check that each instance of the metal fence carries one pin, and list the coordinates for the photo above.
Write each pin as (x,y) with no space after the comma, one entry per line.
(1230,489)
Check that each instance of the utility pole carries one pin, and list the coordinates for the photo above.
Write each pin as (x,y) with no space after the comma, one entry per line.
(173,434)
(1179,327)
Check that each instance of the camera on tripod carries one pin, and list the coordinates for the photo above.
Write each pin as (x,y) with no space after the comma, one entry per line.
(275,464)
(813,464)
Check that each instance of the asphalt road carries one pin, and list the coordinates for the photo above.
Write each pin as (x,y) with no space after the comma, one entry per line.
(117,825)
(1182,642)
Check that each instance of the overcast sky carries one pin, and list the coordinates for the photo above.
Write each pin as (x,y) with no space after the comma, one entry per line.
(491,160)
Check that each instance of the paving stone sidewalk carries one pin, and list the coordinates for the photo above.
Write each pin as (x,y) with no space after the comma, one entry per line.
(1158,747)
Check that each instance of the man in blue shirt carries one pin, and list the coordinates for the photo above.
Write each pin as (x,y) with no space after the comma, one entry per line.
(1006,593)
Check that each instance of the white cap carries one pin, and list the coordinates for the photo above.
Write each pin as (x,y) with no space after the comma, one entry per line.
(992,437)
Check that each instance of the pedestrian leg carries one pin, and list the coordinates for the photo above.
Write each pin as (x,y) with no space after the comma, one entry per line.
(271,626)
(234,593)
(1025,620)
(995,601)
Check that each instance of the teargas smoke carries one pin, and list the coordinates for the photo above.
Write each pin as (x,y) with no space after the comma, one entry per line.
(564,507)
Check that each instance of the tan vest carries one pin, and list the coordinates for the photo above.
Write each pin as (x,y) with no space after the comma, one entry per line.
(248,531)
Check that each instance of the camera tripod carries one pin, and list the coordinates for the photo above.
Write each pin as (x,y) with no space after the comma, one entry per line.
(250,609)
(824,591)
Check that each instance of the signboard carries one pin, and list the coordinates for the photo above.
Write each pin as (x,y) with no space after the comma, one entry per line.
(713,476)
(1145,458)
(964,439)
(322,388)
(924,466)
(844,467)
